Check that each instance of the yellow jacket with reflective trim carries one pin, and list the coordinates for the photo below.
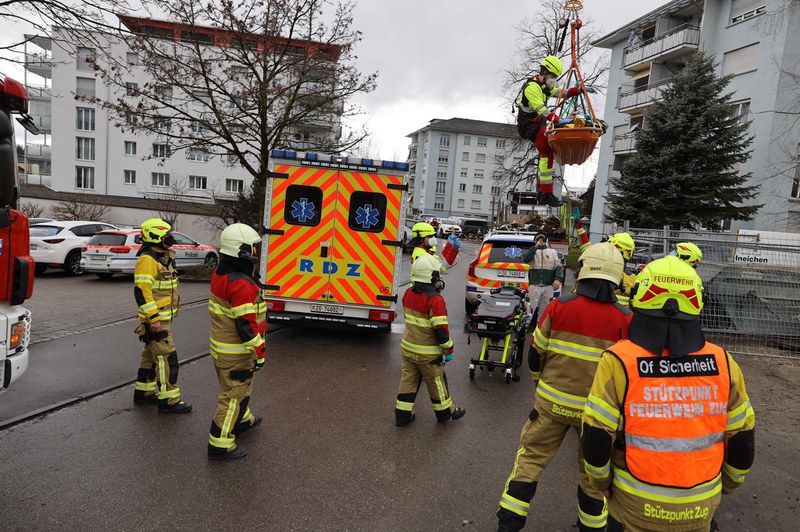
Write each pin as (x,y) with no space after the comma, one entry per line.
(605,411)
(156,285)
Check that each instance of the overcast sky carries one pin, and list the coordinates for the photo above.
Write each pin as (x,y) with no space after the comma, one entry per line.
(445,59)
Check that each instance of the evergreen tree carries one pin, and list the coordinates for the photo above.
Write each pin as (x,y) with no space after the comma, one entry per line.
(684,173)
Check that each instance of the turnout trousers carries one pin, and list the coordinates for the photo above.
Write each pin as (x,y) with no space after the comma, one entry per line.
(158,369)
(541,438)
(417,369)
(235,374)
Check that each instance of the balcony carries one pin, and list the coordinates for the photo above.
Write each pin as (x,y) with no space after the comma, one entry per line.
(39,64)
(624,144)
(39,93)
(38,151)
(44,123)
(640,96)
(673,43)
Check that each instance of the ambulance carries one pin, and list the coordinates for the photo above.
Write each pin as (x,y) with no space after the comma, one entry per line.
(333,235)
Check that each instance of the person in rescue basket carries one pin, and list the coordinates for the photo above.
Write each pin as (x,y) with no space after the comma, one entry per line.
(533,115)
(156,292)
(668,426)
(426,345)
(545,274)
(238,326)
(573,332)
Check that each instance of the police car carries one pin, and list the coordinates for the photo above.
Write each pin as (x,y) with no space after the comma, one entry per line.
(110,252)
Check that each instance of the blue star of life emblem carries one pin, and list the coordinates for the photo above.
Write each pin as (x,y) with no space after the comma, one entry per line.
(302,210)
(366,216)
(513,252)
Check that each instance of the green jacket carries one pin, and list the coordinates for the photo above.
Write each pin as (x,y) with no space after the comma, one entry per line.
(545,266)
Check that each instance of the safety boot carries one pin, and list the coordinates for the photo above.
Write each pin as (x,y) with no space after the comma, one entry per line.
(241,428)
(550,199)
(407,421)
(178,408)
(238,452)
(458,413)
(140,398)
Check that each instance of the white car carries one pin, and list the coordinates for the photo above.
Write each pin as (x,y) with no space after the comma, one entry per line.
(58,244)
(448,227)
(111,252)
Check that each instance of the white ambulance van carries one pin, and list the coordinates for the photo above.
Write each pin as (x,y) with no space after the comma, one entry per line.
(332,249)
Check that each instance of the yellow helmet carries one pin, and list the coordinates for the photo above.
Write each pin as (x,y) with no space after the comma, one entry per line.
(601,261)
(669,287)
(424,267)
(423,229)
(553,65)
(689,252)
(154,230)
(624,243)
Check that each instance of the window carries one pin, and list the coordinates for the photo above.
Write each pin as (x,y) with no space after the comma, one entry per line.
(160,150)
(441,173)
(462,187)
(497,174)
(796,181)
(477,189)
(495,191)
(236,185)
(132,58)
(480,157)
(500,143)
(199,127)
(444,140)
(481,142)
(463,172)
(478,174)
(476,204)
(467,140)
(161,123)
(129,177)
(747,9)
(84,87)
(460,204)
(84,177)
(84,149)
(441,186)
(131,89)
(160,179)
(443,156)
(367,212)
(84,58)
(164,92)
(740,61)
(198,182)
(197,154)
(465,156)
(303,205)
(130,147)
(84,118)
(742,110)
(438,205)
(131,119)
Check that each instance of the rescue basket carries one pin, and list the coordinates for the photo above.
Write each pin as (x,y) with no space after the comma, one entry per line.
(573,145)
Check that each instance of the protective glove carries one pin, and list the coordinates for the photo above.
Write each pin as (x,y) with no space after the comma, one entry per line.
(454,241)
(260,363)
(578,225)
(573,91)
(591,90)
(554,118)
(448,357)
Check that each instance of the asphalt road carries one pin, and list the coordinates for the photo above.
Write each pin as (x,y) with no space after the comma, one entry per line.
(328,456)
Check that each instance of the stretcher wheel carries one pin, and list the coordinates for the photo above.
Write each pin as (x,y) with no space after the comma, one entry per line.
(573,145)
(508,377)
(472,374)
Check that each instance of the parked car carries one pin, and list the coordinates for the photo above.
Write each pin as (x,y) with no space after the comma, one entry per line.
(406,237)
(499,262)
(472,227)
(58,244)
(110,252)
(34,221)
(448,226)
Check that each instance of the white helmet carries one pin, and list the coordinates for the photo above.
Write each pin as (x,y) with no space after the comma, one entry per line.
(601,261)
(239,241)
(424,267)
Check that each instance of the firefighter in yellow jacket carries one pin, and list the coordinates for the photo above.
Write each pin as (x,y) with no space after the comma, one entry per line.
(156,293)
(238,327)
(624,243)
(573,332)
(426,345)
(668,427)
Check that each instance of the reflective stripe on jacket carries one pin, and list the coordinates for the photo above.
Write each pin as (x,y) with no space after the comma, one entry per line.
(238,315)
(676,413)
(156,286)
(427,331)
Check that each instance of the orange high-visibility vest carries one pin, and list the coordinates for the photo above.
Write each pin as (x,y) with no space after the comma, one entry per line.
(675,412)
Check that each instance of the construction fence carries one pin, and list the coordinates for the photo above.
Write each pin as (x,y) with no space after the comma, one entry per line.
(751,282)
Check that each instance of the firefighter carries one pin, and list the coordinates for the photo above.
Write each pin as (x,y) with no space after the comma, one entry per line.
(569,339)
(156,293)
(546,274)
(238,326)
(689,252)
(424,235)
(426,345)
(668,426)
(533,115)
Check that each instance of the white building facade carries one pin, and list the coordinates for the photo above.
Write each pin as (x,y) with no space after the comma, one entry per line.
(757,48)
(461,168)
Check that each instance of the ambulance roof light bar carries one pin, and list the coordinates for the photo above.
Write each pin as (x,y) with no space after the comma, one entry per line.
(338,159)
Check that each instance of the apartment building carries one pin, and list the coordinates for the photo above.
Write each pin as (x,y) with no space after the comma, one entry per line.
(751,43)
(88,150)
(463,168)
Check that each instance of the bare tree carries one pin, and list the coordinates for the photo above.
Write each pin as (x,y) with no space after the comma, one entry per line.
(31,210)
(172,199)
(236,79)
(87,207)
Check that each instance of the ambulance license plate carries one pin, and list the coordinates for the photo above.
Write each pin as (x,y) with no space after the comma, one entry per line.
(518,274)
(97,257)
(327,309)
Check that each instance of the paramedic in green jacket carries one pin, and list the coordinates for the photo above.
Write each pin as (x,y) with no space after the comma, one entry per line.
(546,273)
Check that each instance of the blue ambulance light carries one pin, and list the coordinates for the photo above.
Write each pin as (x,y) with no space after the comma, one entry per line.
(388,164)
(291,154)
(279,153)
(366,162)
(402,166)
(311,156)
